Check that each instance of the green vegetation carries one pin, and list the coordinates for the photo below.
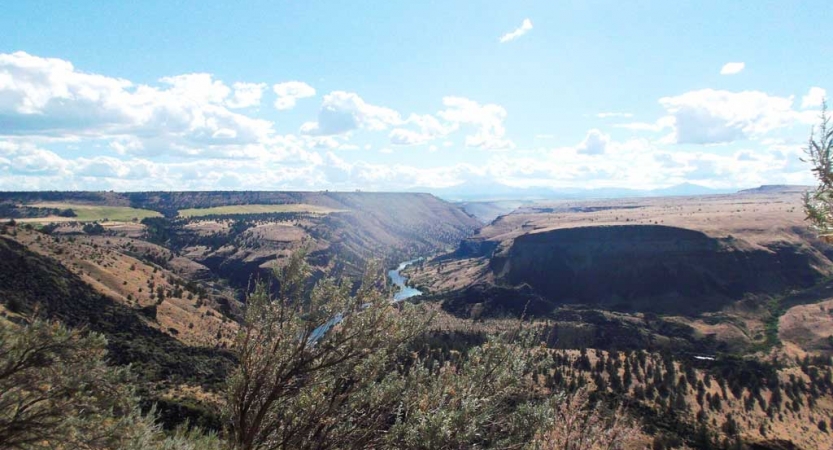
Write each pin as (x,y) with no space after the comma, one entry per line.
(56,391)
(33,283)
(305,380)
(776,310)
(98,213)
(322,369)
(10,210)
(255,209)
(818,204)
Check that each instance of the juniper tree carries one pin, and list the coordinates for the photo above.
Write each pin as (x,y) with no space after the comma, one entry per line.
(818,204)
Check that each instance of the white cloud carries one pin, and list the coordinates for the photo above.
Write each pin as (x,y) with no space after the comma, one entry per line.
(23,165)
(288,93)
(246,95)
(49,98)
(39,94)
(605,115)
(199,88)
(732,68)
(487,120)
(518,32)
(402,136)
(342,112)
(710,116)
(28,159)
(595,143)
(661,124)
(37,161)
(429,129)
(336,169)
(814,98)
(109,167)
(185,132)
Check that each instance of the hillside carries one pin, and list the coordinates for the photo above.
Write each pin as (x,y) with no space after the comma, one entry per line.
(35,284)
(167,289)
(236,234)
(712,263)
(653,268)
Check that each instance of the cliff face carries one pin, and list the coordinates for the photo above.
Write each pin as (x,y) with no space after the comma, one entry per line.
(653,268)
(392,227)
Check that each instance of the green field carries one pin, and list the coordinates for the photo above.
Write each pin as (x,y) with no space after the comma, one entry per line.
(256,209)
(93,213)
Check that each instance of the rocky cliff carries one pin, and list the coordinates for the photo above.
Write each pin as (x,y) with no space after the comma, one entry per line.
(653,268)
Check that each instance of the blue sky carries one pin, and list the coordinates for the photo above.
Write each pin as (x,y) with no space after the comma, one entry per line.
(398,95)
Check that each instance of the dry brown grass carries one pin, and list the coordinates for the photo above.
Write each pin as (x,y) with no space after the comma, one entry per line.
(104,263)
(757,218)
(808,327)
(798,427)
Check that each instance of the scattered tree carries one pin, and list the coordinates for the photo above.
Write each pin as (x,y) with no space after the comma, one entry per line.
(818,204)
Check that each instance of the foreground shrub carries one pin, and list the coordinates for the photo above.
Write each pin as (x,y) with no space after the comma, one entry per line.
(56,391)
(321,368)
(577,424)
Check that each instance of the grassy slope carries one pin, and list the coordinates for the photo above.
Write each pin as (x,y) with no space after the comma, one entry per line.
(32,281)
(96,213)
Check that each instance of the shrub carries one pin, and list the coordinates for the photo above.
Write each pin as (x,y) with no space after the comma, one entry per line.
(56,391)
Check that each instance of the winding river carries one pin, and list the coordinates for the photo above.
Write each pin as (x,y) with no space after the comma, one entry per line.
(403,291)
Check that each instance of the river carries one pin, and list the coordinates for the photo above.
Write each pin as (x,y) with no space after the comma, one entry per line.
(403,291)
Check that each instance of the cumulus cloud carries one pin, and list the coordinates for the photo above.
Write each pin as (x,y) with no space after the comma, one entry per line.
(486,119)
(429,128)
(732,68)
(401,136)
(246,95)
(814,98)
(109,167)
(526,25)
(37,161)
(26,166)
(289,92)
(28,159)
(595,143)
(193,131)
(198,87)
(48,97)
(92,167)
(342,112)
(712,116)
(336,169)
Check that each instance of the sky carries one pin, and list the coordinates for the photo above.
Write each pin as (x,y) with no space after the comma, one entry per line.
(391,96)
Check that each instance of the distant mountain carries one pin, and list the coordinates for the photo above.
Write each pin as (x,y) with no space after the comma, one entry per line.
(477,191)
(489,191)
(775,188)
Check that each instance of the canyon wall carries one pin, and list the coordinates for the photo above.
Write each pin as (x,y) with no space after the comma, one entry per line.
(653,268)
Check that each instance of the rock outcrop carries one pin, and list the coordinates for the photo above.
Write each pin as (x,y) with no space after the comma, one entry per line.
(653,268)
